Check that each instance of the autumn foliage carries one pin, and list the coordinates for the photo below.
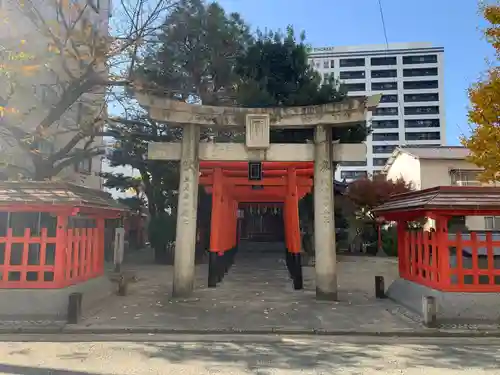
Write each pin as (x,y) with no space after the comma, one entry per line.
(484,112)
(366,194)
(61,65)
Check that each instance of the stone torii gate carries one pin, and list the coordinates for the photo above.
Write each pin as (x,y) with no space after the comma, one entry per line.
(257,123)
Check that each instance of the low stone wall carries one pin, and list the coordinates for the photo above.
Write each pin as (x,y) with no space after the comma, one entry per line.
(451,306)
(51,304)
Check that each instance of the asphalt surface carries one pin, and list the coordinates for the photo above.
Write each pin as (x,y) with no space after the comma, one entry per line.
(240,354)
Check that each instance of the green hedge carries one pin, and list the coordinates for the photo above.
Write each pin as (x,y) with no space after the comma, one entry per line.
(390,241)
(162,236)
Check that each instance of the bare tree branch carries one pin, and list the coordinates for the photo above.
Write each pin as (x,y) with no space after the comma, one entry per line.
(79,60)
(76,157)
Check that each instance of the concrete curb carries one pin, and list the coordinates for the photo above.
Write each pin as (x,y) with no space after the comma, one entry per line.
(288,332)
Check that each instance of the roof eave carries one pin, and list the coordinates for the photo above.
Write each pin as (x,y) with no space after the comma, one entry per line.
(392,159)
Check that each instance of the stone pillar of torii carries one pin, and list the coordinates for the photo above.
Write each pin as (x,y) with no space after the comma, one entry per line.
(257,124)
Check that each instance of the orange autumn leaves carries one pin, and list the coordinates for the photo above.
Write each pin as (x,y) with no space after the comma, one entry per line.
(492,33)
(13,61)
(484,112)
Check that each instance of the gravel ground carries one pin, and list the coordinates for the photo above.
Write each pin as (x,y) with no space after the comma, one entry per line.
(250,355)
(256,295)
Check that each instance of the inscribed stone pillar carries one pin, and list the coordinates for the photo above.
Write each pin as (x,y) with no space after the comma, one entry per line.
(324,226)
(185,240)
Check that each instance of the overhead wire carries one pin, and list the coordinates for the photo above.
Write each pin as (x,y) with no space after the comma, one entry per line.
(381,9)
(384,28)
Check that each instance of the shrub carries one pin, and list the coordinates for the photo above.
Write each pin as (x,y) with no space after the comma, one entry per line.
(162,237)
(390,241)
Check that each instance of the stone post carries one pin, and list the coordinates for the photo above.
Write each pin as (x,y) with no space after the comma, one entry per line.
(185,240)
(324,226)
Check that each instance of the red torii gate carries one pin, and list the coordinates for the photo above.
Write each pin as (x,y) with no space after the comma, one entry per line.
(228,182)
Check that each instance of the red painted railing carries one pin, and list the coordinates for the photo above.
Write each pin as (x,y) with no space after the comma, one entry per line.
(419,260)
(84,255)
(27,262)
(455,263)
(44,262)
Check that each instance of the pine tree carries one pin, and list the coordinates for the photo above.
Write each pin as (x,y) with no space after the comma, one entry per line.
(205,55)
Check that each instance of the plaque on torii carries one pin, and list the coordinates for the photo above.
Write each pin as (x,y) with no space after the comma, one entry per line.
(257,138)
(257,131)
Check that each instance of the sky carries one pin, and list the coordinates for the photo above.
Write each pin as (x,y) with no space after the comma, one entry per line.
(452,24)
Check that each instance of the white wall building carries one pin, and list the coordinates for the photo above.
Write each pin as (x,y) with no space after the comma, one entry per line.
(428,167)
(411,112)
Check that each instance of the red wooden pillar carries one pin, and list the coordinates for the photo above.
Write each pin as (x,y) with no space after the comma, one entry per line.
(403,254)
(224,227)
(292,203)
(217,211)
(292,229)
(61,246)
(216,229)
(229,219)
(100,251)
(443,252)
(287,214)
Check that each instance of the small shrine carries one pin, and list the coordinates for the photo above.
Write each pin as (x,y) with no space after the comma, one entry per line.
(52,240)
(461,269)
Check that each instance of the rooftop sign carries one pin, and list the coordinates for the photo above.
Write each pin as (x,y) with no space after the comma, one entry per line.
(322,49)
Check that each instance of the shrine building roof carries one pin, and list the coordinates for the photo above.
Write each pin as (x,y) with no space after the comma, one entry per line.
(447,200)
(55,193)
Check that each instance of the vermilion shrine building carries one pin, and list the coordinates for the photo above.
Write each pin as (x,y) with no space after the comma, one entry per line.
(52,244)
(292,179)
(460,268)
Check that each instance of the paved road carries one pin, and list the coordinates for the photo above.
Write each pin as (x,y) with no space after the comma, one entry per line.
(189,355)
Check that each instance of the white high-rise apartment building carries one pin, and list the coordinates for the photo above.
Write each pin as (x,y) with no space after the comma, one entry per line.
(411,112)
(39,91)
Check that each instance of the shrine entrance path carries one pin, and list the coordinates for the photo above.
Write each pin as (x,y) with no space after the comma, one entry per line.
(256,295)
